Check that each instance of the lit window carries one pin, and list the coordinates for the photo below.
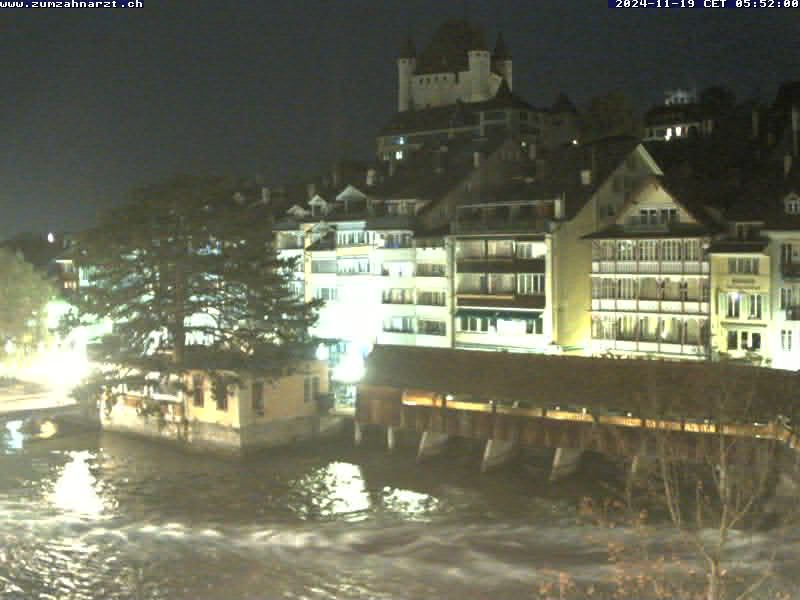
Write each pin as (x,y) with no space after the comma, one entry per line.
(399,155)
(786,340)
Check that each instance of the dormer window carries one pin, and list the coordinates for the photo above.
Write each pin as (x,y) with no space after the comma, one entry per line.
(793,205)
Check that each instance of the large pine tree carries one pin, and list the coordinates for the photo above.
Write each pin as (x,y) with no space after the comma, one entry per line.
(188,274)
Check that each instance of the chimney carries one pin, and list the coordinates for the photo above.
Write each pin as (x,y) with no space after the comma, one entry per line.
(558,208)
(586,176)
(476,159)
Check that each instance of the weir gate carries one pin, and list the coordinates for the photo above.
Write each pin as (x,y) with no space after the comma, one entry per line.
(623,408)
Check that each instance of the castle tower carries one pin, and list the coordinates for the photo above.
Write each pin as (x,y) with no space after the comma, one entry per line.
(501,61)
(480,65)
(406,67)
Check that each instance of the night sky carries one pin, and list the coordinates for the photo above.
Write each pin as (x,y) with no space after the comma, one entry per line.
(97,102)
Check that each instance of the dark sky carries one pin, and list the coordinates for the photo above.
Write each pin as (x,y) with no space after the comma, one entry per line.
(97,102)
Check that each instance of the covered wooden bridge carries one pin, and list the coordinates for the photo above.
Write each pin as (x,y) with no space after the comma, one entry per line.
(572,404)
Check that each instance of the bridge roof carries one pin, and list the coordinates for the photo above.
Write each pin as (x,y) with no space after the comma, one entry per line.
(646,388)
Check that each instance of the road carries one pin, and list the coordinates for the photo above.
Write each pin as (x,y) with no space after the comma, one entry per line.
(23,397)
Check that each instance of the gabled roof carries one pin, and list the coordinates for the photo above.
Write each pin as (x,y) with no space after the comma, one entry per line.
(447,50)
(563,168)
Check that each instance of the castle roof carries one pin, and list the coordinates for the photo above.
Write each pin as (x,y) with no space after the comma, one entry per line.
(447,50)
(500,50)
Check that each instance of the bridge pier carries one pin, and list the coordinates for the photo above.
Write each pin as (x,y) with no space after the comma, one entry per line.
(391,438)
(565,463)
(497,453)
(431,444)
(358,434)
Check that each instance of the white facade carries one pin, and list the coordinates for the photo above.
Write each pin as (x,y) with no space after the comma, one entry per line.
(650,284)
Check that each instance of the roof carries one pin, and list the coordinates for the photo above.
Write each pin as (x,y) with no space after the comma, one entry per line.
(447,50)
(500,50)
(563,105)
(563,167)
(419,178)
(739,246)
(645,387)
(409,49)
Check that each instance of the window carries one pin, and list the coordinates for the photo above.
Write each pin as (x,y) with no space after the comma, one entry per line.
(257,397)
(529,250)
(626,289)
(671,250)
(691,250)
(323,266)
(198,390)
(786,254)
(431,298)
(431,327)
(793,205)
(219,388)
(353,266)
(398,240)
(534,326)
(755,306)
(474,324)
(310,388)
(790,297)
(429,270)
(743,266)
(733,340)
(398,296)
(683,290)
(327,294)
(398,269)
(399,325)
(529,284)
(734,305)
(500,249)
(647,250)
(786,340)
(625,250)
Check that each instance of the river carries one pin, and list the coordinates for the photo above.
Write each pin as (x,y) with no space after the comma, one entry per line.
(101,516)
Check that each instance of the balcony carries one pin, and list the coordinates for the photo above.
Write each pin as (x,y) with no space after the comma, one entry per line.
(508,224)
(500,264)
(676,307)
(651,267)
(790,270)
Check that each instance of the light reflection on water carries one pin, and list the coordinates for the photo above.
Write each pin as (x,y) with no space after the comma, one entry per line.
(105,517)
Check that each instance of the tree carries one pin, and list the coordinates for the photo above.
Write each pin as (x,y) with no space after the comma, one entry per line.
(731,479)
(24,294)
(189,277)
(609,115)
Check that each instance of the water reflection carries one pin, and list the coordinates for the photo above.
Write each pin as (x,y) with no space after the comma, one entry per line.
(13,437)
(407,502)
(337,489)
(75,490)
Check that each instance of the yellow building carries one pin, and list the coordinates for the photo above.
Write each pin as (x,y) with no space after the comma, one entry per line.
(226,410)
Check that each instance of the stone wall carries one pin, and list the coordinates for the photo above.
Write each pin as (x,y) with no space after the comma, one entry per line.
(220,438)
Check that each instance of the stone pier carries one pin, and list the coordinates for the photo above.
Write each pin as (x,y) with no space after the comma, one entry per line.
(497,453)
(565,463)
(391,438)
(431,444)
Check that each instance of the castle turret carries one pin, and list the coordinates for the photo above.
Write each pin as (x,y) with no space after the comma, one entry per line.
(406,66)
(501,61)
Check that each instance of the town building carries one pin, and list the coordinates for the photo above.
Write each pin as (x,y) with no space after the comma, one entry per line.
(227,410)
(651,277)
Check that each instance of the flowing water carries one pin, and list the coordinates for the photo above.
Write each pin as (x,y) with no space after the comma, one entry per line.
(100,516)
